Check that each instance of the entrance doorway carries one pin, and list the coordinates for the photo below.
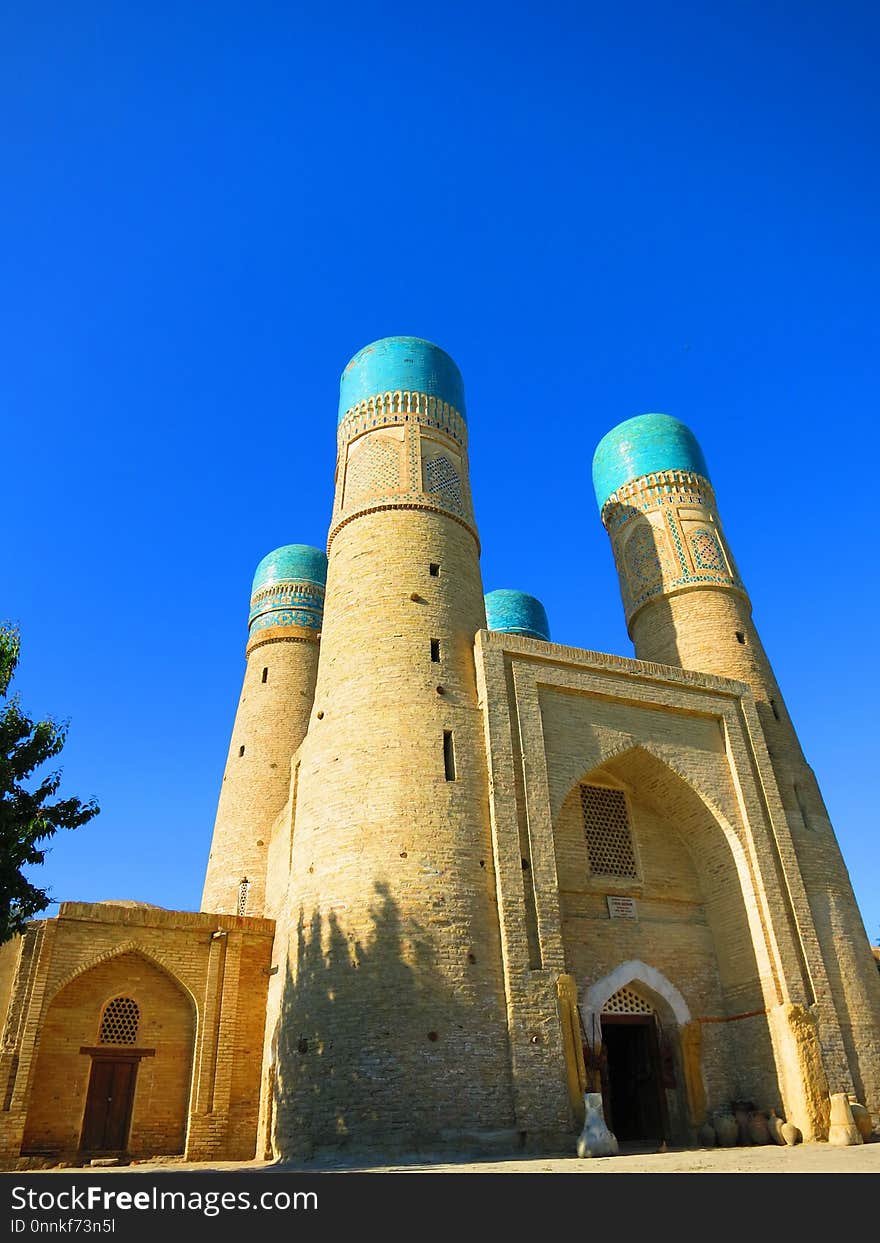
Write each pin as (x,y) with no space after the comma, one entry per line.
(635,1108)
(108,1105)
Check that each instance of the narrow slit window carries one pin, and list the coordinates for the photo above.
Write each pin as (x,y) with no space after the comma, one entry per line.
(435,650)
(740,637)
(449,755)
(775,709)
(266,673)
(434,569)
(240,751)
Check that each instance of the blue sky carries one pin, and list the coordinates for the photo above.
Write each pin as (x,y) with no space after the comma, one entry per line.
(598,210)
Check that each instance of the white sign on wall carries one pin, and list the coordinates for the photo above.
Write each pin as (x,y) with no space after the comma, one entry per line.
(621,908)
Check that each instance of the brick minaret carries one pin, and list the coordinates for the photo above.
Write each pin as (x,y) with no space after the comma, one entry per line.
(287,602)
(393,1019)
(685,605)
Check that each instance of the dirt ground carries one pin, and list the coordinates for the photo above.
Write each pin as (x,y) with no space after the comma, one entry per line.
(769,1159)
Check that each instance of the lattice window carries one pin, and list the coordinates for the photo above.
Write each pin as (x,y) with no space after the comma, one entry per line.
(606,827)
(625,1001)
(442,479)
(243,886)
(373,469)
(119,1022)
(706,550)
(642,562)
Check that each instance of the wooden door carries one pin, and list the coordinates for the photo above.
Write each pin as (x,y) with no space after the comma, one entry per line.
(108,1105)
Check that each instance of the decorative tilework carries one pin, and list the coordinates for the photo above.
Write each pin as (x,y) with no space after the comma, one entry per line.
(642,446)
(642,563)
(668,494)
(707,554)
(401,407)
(373,468)
(442,479)
(516,612)
(401,364)
(420,445)
(287,604)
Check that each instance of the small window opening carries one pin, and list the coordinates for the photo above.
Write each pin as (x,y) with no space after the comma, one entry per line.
(775,709)
(240,752)
(448,755)
(610,850)
(434,569)
(435,650)
(266,674)
(740,637)
(119,1022)
(243,886)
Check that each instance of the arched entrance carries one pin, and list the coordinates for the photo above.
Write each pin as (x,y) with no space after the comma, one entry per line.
(114,1064)
(632,1070)
(634,1017)
(647,866)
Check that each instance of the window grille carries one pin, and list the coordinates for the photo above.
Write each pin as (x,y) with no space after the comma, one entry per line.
(625,1001)
(119,1022)
(606,828)
(243,887)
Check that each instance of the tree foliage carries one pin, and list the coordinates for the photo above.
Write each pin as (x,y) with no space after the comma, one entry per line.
(28,816)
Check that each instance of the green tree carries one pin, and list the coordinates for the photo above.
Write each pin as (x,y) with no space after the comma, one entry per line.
(27,814)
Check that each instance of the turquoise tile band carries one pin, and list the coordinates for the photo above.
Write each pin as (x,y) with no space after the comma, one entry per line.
(288,588)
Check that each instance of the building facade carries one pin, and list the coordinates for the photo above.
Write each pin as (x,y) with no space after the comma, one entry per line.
(460,873)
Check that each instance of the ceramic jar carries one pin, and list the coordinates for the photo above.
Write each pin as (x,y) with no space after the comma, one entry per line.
(595,1140)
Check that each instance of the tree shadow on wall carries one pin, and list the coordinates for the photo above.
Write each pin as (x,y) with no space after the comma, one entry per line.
(373,1050)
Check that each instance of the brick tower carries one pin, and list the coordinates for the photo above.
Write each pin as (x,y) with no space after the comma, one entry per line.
(393,1018)
(685,605)
(287,601)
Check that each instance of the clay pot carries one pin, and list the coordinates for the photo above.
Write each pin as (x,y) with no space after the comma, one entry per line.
(843,1130)
(759,1131)
(726,1129)
(741,1111)
(595,1140)
(790,1134)
(774,1126)
(706,1135)
(862,1118)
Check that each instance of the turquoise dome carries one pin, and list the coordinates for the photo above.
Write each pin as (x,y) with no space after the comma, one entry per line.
(515,612)
(291,563)
(401,364)
(288,588)
(643,446)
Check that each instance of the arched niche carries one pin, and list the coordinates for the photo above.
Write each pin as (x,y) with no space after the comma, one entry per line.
(71,1044)
(697,934)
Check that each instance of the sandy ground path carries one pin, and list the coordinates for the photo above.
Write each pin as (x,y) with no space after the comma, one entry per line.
(770,1159)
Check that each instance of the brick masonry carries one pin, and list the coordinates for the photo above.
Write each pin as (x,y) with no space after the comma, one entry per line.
(428,945)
